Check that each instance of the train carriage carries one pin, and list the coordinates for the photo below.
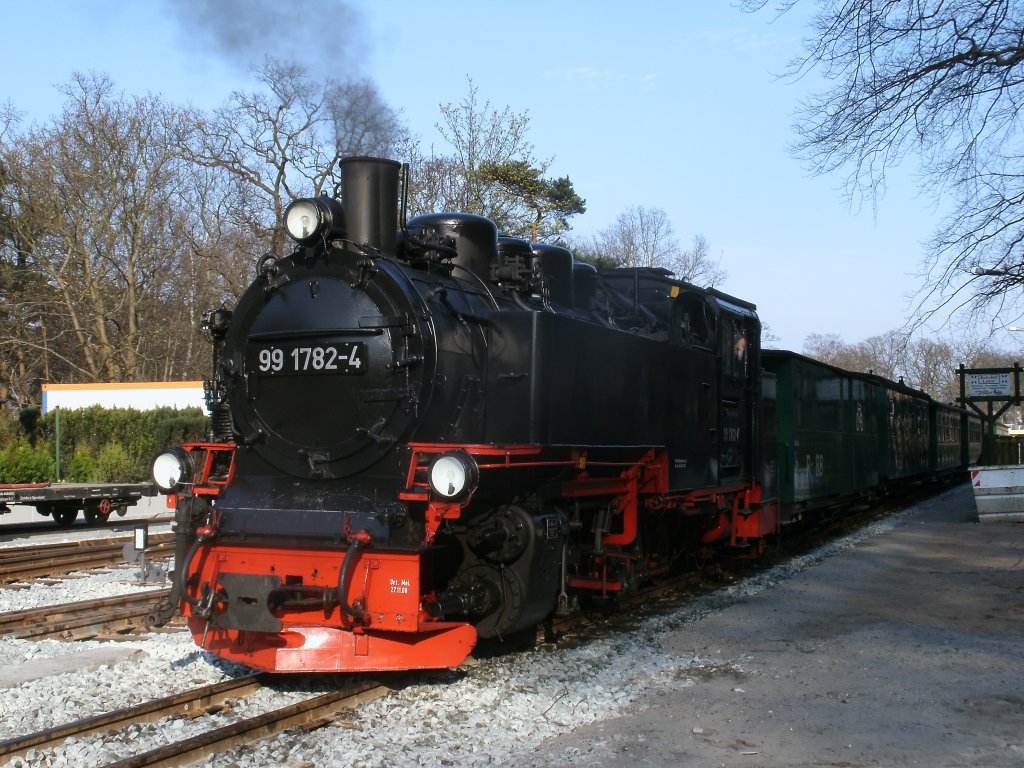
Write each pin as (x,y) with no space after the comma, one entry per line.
(905,431)
(827,432)
(946,425)
(972,429)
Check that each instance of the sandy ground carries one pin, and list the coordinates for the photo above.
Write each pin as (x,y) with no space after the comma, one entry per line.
(907,650)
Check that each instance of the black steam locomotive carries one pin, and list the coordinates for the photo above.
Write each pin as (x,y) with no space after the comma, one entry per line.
(424,433)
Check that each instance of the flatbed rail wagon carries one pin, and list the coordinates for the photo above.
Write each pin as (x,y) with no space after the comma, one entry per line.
(63,501)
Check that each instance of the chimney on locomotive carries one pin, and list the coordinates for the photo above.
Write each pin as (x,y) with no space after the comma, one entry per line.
(369,198)
(367,213)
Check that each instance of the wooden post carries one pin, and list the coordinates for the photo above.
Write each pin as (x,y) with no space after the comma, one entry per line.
(56,419)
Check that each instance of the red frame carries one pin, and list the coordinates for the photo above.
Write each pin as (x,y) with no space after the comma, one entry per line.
(642,479)
(396,632)
(203,481)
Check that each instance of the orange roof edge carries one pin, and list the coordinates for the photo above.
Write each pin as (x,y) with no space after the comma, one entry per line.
(125,385)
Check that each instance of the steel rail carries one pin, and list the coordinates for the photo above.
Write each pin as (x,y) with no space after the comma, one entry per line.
(309,712)
(190,702)
(120,539)
(19,564)
(56,619)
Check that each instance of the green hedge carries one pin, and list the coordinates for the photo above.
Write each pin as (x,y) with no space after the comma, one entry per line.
(97,444)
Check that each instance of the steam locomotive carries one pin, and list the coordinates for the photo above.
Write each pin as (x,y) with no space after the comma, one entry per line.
(423,433)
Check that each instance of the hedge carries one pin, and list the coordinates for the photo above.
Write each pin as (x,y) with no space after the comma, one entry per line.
(97,444)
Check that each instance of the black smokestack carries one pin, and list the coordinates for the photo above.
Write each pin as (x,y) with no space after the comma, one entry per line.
(370,197)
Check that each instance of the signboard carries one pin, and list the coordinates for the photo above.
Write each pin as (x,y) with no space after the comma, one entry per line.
(989,387)
(989,384)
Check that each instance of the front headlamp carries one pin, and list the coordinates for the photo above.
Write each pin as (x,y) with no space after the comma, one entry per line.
(172,469)
(453,476)
(310,219)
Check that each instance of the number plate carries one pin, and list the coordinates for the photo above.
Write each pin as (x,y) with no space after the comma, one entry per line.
(344,358)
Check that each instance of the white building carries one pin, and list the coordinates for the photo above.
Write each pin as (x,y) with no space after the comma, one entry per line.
(142,396)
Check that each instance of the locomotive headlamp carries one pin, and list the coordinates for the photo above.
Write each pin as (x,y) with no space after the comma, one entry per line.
(171,469)
(453,476)
(309,219)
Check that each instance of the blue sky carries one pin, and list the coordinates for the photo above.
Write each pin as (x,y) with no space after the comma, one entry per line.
(673,104)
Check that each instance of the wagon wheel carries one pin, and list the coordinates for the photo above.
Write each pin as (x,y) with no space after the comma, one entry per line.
(98,511)
(64,515)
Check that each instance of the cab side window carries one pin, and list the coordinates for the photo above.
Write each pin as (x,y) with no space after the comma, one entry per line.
(735,349)
(692,322)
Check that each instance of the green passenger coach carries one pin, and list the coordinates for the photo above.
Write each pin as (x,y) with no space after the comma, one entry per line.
(827,433)
(905,444)
(836,435)
(946,425)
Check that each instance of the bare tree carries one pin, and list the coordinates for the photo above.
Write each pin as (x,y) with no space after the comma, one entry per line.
(481,136)
(23,292)
(882,355)
(125,218)
(94,204)
(435,183)
(643,237)
(273,147)
(826,347)
(931,365)
(768,338)
(588,248)
(942,82)
(696,265)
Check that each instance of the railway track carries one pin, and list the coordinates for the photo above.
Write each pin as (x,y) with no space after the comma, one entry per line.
(197,702)
(82,620)
(44,560)
(190,703)
(309,713)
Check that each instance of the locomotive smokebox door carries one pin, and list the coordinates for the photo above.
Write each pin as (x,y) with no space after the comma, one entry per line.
(332,368)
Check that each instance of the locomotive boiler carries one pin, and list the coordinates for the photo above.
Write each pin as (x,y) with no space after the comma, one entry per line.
(423,433)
